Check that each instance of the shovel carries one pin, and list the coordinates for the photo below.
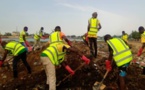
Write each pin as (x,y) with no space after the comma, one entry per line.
(100,86)
(69,74)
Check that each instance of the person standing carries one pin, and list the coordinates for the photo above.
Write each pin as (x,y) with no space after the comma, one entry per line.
(22,39)
(37,37)
(142,32)
(124,36)
(54,55)
(121,54)
(93,27)
(19,52)
(58,37)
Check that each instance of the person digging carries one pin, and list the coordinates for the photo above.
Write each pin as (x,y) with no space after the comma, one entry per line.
(121,54)
(54,55)
(19,52)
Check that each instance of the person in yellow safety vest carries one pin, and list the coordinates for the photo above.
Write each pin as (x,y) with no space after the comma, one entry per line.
(19,52)
(121,54)
(124,36)
(85,39)
(93,27)
(22,39)
(58,37)
(142,32)
(37,37)
(54,55)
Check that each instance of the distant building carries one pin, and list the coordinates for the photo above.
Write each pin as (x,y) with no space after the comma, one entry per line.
(15,33)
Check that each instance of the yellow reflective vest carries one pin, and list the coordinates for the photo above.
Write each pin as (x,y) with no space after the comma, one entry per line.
(121,52)
(55,53)
(21,36)
(93,27)
(125,37)
(37,35)
(14,47)
(143,37)
(55,38)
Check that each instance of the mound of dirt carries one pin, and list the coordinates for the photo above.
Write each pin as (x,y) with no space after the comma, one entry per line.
(84,78)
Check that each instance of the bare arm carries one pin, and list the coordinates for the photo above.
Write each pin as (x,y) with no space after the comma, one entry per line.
(110,55)
(99,26)
(88,26)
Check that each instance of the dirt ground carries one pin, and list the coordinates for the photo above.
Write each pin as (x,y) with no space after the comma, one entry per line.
(84,77)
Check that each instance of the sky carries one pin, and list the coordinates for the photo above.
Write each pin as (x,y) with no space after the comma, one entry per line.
(72,16)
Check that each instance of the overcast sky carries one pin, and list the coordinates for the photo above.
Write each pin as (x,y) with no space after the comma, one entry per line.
(71,15)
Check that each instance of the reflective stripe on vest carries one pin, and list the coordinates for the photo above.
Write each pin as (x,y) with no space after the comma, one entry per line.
(93,26)
(54,55)
(21,36)
(53,58)
(125,37)
(121,52)
(36,35)
(55,38)
(14,47)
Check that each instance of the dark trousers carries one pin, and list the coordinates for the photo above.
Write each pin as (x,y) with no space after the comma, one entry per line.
(16,59)
(93,46)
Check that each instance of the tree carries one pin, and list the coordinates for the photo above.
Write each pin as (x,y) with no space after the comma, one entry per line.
(7,34)
(135,35)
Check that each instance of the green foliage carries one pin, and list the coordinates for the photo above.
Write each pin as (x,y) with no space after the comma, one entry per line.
(117,36)
(135,35)
(7,34)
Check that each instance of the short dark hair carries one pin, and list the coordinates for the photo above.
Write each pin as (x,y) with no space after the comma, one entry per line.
(57,28)
(123,31)
(106,37)
(41,28)
(26,28)
(141,28)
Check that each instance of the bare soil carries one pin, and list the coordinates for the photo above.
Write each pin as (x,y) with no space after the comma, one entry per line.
(84,77)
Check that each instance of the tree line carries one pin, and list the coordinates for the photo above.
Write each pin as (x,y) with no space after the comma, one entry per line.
(133,35)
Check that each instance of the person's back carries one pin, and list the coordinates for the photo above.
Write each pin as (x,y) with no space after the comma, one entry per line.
(120,53)
(93,27)
(58,37)
(55,37)
(15,47)
(19,52)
